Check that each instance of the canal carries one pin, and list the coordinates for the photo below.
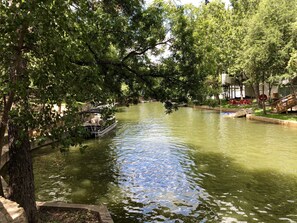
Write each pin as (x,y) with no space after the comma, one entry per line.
(189,166)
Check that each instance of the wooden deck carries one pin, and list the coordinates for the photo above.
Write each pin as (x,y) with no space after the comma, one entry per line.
(285,103)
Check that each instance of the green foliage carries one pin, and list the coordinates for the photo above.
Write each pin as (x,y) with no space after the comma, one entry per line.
(76,51)
(58,52)
(211,102)
(244,7)
(181,67)
(211,32)
(268,42)
(292,65)
(65,52)
(107,112)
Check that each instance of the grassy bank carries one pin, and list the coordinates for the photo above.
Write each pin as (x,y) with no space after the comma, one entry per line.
(290,116)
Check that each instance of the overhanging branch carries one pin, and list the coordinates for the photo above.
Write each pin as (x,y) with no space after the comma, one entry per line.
(136,52)
(142,77)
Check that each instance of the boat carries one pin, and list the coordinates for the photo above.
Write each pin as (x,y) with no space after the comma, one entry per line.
(100,128)
(97,124)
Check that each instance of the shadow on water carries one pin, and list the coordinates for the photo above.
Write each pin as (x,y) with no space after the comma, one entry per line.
(155,173)
(226,190)
(235,195)
(74,176)
(246,195)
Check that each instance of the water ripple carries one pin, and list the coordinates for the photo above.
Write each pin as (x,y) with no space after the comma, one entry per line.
(190,166)
(155,170)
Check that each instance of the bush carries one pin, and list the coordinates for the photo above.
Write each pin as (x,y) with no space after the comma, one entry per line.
(211,102)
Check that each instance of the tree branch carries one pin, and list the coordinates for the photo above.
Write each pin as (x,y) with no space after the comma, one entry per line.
(121,64)
(136,52)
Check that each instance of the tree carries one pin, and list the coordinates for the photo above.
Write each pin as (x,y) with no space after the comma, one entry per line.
(292,65)
(212,30)
(268,41)
(240,13)
(184,78)
(32,52)
(244,8)
(67,52)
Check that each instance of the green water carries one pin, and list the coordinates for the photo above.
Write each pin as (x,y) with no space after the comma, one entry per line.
(190,166)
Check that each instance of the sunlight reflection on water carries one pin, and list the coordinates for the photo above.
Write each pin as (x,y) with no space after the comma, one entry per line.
(191,166)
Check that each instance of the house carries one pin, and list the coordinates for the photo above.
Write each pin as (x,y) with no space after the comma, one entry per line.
(232,89)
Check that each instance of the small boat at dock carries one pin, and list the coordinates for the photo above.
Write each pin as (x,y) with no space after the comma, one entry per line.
(100,129)
(99,121)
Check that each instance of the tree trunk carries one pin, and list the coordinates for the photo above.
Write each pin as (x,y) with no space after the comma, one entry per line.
(270,90)
(256,88)
(3,127)
(15,70)
(20,170)
(217,97)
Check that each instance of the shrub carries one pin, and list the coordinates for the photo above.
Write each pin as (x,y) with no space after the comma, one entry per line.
(211,102)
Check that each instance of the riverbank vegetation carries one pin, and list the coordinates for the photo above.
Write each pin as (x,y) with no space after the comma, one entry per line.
(55,52)
(290,116)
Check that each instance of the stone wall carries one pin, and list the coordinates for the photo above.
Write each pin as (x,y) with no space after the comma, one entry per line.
(11,212)
(272,120)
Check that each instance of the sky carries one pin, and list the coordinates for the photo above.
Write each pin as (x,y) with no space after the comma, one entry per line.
(194,2)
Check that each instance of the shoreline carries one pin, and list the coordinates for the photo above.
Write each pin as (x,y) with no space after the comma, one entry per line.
(271,120)
(102,211)
(219,109)
(250,116)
